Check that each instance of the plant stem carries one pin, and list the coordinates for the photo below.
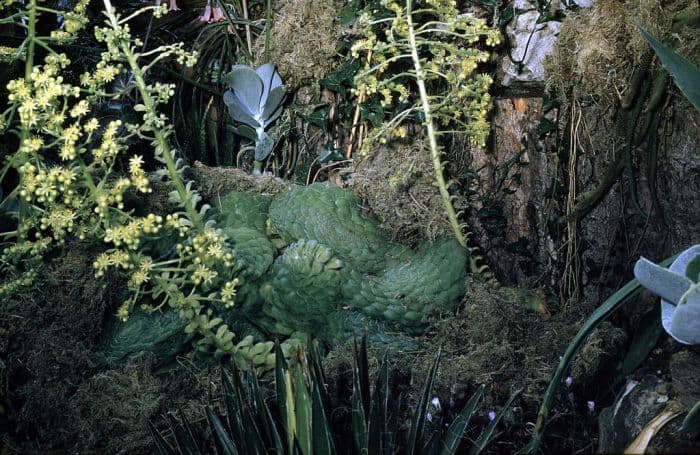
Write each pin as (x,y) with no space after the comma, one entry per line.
(29,62)
(268,26)
(160,136)
(432,139)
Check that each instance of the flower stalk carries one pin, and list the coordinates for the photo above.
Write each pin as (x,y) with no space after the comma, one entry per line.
(163,146)
(435,152)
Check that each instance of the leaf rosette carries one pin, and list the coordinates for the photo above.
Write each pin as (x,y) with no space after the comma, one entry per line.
(255,98)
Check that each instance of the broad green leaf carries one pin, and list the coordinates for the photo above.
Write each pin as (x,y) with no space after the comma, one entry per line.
(373,111)
(319,117)
(338,81)
(348,13)
(685,74)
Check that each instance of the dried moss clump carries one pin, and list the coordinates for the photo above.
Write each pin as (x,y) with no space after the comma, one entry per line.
(398,183)
(598,47)
(116,402)
(303,40)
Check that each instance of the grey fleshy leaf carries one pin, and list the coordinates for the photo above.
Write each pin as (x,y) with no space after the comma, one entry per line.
(685,324)
(680,303)
(266,73)
(661,281)
(238,110)
(248,87)
(273,106)
(263,146)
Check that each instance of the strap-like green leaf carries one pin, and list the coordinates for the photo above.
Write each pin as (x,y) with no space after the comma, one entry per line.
(691,423)
(455,433)
(162,446)
(485,435)
(415,435)
(686,75)
(302,402)
(322,436)
(222,441)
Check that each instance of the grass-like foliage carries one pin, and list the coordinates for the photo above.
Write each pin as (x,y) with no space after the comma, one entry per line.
(299,419)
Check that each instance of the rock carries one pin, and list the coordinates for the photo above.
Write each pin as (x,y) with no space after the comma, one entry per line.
(639,402)
(531,42)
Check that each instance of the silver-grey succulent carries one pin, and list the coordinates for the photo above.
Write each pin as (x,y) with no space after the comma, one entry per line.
(679,289)
(255,98)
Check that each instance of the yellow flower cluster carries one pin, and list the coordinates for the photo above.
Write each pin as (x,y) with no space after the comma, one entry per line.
(38,96)
(129,235)
(83,195)
(449,56)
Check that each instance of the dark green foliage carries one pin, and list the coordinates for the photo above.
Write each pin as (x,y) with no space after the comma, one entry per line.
(381,279)
(330,215)
(302,293)
(300,420)
(240,209)
(254,251)
(337,274)
(160,332)
(410,290)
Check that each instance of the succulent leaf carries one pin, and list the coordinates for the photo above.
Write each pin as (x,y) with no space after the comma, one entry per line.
(680,296)
(273,104)
(661,281)
(263,146)
(248,87)
(238,110)
(685,324)
(270,79)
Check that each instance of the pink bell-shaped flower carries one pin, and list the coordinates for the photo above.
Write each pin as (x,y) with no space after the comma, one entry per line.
(217,14)
(206,15)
